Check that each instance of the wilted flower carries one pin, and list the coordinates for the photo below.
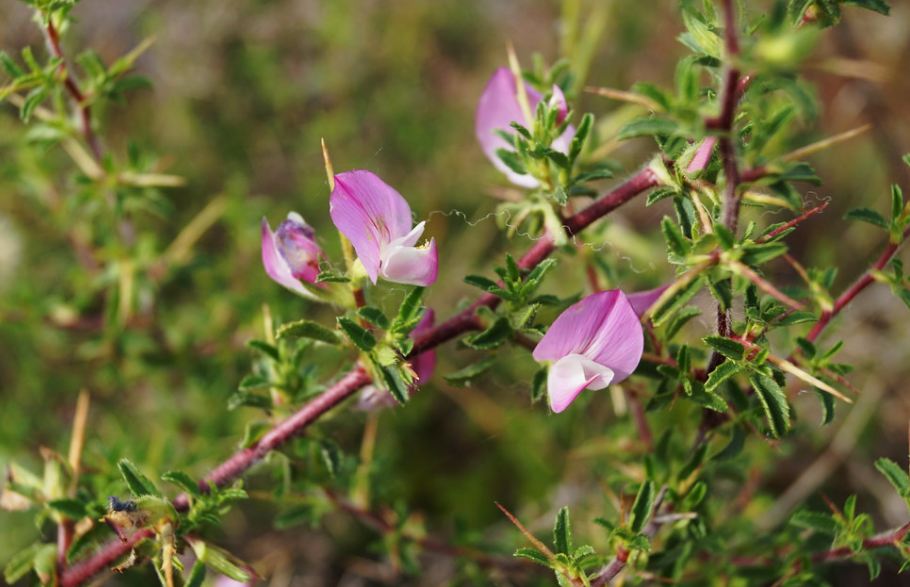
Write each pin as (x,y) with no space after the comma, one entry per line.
(593,343)
(373,397)
(499,107)
(377,221)
(291,255)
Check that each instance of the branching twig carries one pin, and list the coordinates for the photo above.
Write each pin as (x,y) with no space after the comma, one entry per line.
(357,378)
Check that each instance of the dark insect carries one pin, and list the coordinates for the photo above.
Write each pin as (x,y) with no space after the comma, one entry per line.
(121,506)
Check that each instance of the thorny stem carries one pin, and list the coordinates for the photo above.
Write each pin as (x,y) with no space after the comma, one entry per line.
(464,321)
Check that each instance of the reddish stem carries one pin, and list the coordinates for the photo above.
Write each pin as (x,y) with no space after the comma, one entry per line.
(799,219)
(109,553)
(77,96)
(887,538)
(864,281)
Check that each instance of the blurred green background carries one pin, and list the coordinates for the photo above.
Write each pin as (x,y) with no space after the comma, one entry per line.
(242,92)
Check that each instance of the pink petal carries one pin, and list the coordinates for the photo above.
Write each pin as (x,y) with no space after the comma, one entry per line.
(275,265)
(296,243)
(572,374)
(410,265)
(642,300)
(370,213)
(497,109)
(603,327)
(702,155)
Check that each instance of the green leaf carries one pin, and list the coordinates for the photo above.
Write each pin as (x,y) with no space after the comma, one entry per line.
(466,374)
(867,215)
(70,508)
(10,66)
(816,521)
(581,135)
(755,255)
(562,531)
(183,481)
(32,100)
(196,576)
(879,6)
(374,316)
(533,555)
(641,509)
(725,346)
(679,298)
(331,456)
(512,161)
(20,564)
(307,329)
(409,313)
(498,332)
(676,242)
(895,474)
(221,561)
(362,338)
(484,283)
(734,447)
(644,127)
(266,349)
(681,319)
(138,483)
(394,383)
(774,403)
(721,373)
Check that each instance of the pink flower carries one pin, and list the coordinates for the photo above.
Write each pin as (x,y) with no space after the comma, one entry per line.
(499,107)
(424,364)
(291,255)
(593,343)
(641,301)
(377,221)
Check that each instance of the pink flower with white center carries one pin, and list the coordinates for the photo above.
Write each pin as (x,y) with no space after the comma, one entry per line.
(593,343)
(291,255)
(499,107)
(377,221)
(373,397)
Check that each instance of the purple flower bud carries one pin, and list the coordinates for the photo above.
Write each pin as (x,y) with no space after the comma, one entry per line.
(291,255)
(499,107)
(377,221)
(593,343)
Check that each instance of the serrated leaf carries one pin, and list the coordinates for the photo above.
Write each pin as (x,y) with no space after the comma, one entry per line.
(533,555)
(266,349)
(409,313)
(183,481)
(676,242)
(755,255)
(817,521)
(362,338)
(721,373)
(725,346)
(138,483)
(394,383)
(867,215)
(562,531)
(773,402)
(641,509)
(374,316)
(498,332)
(895,474)
(307,329)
